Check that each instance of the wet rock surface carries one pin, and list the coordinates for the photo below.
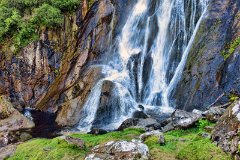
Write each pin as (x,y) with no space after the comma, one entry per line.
(119,150)
(95,37)
(207,75)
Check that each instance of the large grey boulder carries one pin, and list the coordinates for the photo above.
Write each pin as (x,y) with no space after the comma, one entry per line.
(147,124)
(119,150)
(214,113)
(181,120)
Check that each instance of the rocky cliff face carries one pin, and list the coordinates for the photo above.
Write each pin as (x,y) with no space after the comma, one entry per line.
(52,74)
(210,72)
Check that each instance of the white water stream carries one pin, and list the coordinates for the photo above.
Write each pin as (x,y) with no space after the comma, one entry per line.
(152,52)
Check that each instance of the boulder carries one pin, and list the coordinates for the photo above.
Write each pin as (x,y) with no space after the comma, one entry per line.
(227,130)
(98,131)
(181,120)
(139,114)
(197,112)
(120,150)
(75,141)
(128,123)
(147,124)
(12,123)
(25,136)
(214,113)
(156,133)
(7,151)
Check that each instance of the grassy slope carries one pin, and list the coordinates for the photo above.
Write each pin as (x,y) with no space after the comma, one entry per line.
(185,145)
(180,144)
(55,149)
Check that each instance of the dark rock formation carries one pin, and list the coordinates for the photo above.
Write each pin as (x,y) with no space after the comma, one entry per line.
(97,131)
(140,114)
(128,123)
(207,75)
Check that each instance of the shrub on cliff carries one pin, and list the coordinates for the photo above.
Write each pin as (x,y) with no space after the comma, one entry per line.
(9,22)
(47,16)
(66,5)
(25,35)
(22,20)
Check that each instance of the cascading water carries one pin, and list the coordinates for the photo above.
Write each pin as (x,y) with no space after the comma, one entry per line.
(152,51)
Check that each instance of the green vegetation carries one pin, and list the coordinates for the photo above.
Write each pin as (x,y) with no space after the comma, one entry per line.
(233,97)
(202,124)
(65,5)
(47,16)
(180,144)
(229,50)
(21,21)
(127,134)
(56,149)
(45,149)
(186,145)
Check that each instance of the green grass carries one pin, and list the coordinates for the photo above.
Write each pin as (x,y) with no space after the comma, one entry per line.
(44,149)
(127,134)
(180,144)
(186,145)
(201,149)
(56,149)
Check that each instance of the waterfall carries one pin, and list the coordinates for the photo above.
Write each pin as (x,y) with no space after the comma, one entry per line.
(150,57)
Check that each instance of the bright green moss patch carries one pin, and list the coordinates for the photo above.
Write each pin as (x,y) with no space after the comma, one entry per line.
(231,48)
(233,97)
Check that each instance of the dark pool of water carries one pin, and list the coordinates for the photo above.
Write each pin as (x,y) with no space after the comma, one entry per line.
(45,125)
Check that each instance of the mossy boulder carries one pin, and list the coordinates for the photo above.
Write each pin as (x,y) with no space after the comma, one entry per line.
(12,123)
